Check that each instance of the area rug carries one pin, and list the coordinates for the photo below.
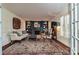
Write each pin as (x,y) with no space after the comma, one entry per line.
(30,47)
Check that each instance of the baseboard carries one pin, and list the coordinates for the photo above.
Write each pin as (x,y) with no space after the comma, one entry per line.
(63,45)
(6,46)
(11,43)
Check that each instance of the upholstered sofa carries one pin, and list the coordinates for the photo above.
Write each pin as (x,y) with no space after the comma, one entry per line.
(18,36)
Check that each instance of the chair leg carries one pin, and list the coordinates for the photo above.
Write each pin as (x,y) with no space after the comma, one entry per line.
(12,42)
(27,38)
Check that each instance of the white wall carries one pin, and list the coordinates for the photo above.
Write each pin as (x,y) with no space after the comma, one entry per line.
(0,33)
(64,34)
(7,17)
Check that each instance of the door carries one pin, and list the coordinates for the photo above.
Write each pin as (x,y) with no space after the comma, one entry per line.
(74,28)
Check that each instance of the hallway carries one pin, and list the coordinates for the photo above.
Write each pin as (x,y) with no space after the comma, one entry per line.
(30,47)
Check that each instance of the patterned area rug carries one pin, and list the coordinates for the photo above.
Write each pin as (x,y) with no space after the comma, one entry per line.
(29,47)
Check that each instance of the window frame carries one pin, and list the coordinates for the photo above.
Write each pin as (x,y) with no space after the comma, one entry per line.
(74,29)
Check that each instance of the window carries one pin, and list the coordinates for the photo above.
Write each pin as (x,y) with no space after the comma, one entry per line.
(78,19)
(64,23)
(74,28)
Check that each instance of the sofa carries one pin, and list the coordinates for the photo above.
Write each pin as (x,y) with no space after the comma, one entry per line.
(18,35)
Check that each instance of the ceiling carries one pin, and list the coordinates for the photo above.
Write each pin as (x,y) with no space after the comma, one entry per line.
(37,10)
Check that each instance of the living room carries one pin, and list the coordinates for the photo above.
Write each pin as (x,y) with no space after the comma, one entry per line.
(27,23)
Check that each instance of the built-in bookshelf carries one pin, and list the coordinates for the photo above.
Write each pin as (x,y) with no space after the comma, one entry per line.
(37,26)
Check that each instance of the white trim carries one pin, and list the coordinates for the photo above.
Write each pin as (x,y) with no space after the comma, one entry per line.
(72,30)
(75,38)
(76,51)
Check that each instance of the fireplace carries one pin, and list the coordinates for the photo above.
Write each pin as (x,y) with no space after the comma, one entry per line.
(37,32)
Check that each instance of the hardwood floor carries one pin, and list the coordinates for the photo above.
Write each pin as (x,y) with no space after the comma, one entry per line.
(30,47)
